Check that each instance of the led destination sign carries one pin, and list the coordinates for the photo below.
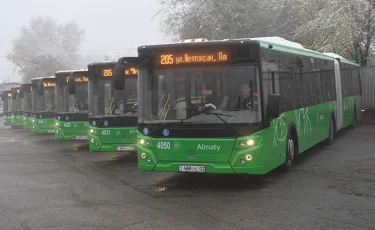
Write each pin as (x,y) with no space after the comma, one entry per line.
(131,71)
(49,84)
(202,57)
(79,79)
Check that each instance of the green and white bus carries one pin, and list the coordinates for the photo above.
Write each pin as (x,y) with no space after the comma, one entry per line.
(17,115)
(71,107)
(43,93)
(105,105)
(25,94)
(7,107)
(241,106)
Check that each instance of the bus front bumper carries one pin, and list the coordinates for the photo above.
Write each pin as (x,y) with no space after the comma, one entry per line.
(74,131)
(43,126)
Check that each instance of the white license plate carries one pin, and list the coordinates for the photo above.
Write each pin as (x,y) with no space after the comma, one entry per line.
(189,168)
(82,137)
(125,148)
(51,131)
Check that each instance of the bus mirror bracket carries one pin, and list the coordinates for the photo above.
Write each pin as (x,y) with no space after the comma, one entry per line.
(71,85)
(135,108)
(273,108)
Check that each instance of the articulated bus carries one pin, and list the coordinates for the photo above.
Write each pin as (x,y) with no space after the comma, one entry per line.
(7,107)
(25,94)
(17,115)
(244,106)
(71,107)
(106,112)
(43,93)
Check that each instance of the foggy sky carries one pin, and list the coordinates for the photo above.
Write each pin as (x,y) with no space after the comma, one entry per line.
(109,24)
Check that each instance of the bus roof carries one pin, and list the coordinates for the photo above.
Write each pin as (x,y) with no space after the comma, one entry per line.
(101,64)
(274,43)
(69,71)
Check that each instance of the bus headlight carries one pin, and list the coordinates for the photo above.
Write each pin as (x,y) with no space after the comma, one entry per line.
(93,131)
(57,124)
(250,142)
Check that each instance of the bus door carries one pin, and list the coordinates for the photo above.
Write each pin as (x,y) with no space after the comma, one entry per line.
(339,96)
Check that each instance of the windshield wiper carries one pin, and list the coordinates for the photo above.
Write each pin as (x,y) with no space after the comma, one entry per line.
(165,125)
(218,115)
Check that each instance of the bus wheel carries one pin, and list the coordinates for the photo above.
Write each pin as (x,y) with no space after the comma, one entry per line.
(290,153)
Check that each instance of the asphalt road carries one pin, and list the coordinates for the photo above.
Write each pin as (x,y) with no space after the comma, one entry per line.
(47,184)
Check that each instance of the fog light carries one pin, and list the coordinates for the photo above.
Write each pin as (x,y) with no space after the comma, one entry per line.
(142,141)
(242,161)
(249,157)
(143,155)
(57,131)
(250,142)
(93,140)
(148,159)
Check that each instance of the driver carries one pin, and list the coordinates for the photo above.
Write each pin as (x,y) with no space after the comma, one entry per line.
(246,97)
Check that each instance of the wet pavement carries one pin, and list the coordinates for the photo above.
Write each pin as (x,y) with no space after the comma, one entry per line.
(48,184)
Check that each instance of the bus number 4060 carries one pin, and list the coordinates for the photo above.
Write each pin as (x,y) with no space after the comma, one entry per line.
(164,145)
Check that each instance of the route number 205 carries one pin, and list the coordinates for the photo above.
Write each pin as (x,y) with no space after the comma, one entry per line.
(163,145)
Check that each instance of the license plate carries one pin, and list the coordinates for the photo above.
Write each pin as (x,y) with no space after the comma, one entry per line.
(190,168)
(51,131)
(125,148)
(82,137)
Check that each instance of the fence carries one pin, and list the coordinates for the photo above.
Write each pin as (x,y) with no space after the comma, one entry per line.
(368,87)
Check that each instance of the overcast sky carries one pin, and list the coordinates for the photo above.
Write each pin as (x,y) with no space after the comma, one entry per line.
(109,24)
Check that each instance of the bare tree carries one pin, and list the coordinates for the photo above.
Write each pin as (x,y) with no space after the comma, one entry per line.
(346,27)
(45,47)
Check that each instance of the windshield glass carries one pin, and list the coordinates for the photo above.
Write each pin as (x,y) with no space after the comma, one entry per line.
(26,102)
(130,95)
(200,95)
(79,101)
(62,97)
(46,101)
(16,103)
(10,104)
(104,100)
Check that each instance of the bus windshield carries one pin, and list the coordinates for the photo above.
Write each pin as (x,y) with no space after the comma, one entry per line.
(46,101)
(10,104)
(79,102)
(17,106)
(105,101)
(26,102)
(201,95)
(130,95)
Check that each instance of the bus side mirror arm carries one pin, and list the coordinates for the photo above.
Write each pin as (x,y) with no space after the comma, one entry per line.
(273,108)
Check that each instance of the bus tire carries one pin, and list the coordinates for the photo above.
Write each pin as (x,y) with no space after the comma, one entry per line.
(291,149)
(331,132)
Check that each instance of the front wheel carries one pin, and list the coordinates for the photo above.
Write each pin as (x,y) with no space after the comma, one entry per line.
(290,153)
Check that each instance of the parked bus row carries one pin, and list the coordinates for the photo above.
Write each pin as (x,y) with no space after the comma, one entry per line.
(235,106)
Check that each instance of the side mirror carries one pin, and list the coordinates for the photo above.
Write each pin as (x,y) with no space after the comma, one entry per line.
(40,88)
(135,108)
(119,77)
(273,109)
(71,84)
